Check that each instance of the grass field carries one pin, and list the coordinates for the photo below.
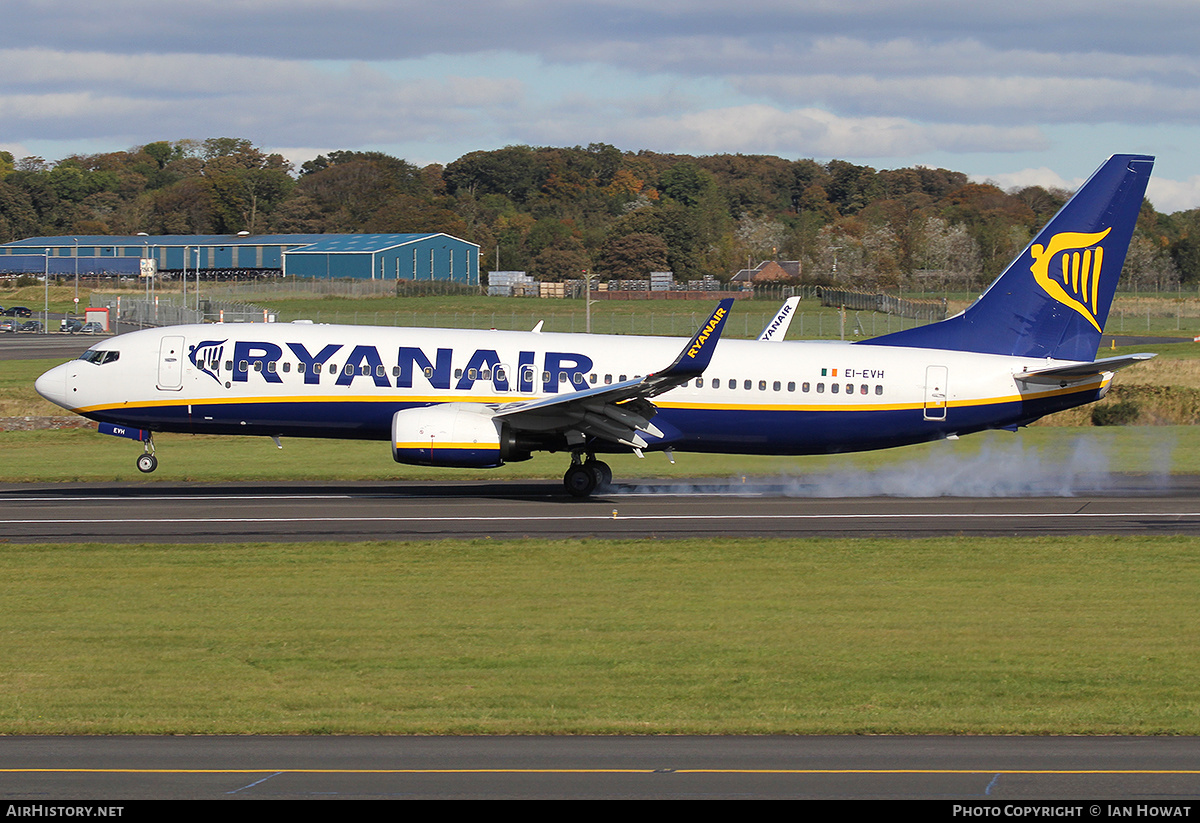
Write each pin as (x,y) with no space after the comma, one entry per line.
(820,636)
(1031,636)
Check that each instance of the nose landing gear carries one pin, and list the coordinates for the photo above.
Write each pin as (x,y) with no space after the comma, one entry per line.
(147,462)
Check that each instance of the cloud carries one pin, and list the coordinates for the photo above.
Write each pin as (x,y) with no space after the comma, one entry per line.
(874,80)
(1169,196)
(1044,177)
(1015,99)
(383,29)
(812,132)
(172,96)
(1166,195)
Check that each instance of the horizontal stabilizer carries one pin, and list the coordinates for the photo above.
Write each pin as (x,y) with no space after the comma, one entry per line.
(1081,371)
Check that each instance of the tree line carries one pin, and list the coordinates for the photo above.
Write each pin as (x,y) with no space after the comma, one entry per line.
(555,212)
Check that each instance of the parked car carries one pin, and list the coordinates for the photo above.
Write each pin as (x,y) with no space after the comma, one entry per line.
(8,325)
(18,311)
(91,328)
(31,325)
(70,325)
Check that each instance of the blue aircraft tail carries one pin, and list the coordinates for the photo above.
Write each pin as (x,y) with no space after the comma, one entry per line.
(1053,300)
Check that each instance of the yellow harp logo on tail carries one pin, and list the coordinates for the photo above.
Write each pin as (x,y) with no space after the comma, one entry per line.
(1074,281)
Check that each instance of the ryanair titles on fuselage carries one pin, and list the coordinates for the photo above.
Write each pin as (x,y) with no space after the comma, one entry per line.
(365,363)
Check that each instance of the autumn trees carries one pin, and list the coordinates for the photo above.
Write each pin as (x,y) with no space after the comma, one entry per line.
(556,211)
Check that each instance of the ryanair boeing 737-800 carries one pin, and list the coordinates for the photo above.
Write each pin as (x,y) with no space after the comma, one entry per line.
(1024,349)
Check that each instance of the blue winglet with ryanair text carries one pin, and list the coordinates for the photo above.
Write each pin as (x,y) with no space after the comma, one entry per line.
(695,357)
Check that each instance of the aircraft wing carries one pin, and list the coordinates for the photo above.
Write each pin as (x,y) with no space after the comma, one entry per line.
(1081,371)
(620,413)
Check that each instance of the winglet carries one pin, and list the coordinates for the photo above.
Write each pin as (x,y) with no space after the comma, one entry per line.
(777,329)
(695,357)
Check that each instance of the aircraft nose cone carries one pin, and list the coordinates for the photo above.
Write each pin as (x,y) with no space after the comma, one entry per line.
(53,385)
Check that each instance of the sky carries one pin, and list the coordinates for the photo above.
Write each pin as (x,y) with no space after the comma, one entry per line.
(1015,93)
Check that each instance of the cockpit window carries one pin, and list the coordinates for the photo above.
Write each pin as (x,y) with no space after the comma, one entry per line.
(100,356)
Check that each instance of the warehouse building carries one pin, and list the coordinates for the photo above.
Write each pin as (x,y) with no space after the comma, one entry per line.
(324,256)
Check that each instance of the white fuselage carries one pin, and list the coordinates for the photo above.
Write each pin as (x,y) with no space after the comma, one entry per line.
(311,380)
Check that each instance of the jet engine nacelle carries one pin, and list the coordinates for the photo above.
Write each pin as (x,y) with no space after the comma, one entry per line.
(450,434)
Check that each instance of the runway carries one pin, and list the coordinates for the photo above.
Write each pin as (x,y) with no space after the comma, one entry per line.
(177,513)
(1010,771)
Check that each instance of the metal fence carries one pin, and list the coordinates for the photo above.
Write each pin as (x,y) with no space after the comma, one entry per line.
(1130,315)
(926,311)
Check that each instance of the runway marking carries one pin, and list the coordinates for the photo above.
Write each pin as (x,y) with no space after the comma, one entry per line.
(125,498)
(500,770)
(605,517)
(258,782)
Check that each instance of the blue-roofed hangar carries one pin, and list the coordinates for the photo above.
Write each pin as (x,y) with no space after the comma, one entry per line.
(324,256)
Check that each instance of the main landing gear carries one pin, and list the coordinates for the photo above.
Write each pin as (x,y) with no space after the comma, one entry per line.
(585,476)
